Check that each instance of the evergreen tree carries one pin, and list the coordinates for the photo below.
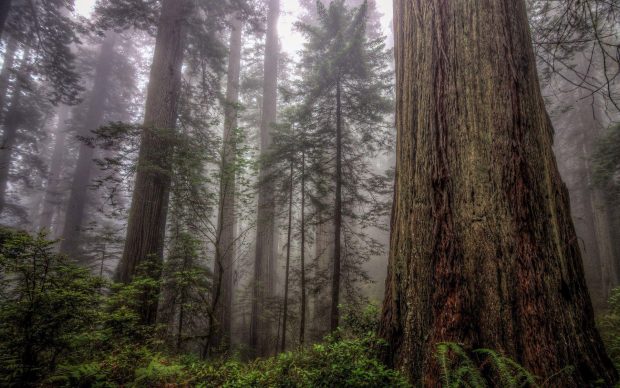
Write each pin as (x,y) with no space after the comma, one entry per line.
(75,217)
(265,250)
(226,234)
(347,89)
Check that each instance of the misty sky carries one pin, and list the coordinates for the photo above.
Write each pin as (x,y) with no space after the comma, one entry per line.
(291,40)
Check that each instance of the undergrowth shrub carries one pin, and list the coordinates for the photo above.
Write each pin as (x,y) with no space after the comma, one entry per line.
(62,327)
(48,308)
(609,327)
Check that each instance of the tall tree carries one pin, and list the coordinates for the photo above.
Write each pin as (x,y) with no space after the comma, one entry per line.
(289,230)
(347,96)
(149,206)
(50,200)
(302,249)
(265,256)
(225,244)
(78,197)
(5,74)
(483,251)
(576,130)
(13,120)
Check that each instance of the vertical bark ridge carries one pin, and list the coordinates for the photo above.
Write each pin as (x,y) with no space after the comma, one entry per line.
(483,251)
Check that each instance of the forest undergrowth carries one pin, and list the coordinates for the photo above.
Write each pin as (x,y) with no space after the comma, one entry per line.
(60,326)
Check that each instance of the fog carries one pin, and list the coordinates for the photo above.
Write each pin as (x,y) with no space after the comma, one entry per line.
(198,184)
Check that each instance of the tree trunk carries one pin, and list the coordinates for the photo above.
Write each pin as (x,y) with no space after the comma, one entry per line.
(265,255)
(335,314)
(288,260)
(5,74)
(149,206)
(12,122)
(227,218)
(302,259)
(78,196)
(323,250)
(5,8)
(483,251)
(51,200)
(575,133)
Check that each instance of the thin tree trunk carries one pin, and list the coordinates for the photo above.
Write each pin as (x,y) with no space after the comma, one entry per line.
(288,259)
(179,341)
(483,251)
(12,122)
(302,312)
(149,206)
(227,218)
(50,201)
(265,255)
(78,196)
(103,259)
(335,314)
(5,8)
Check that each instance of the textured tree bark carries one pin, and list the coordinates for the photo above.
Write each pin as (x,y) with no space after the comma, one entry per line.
(225,252)
(335,314)
(51,201)
(265,256)
(483,251)
(78,196)
(5,8)
(149,205)
(12,121)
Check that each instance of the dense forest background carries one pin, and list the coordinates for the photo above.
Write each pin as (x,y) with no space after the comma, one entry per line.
(309,193)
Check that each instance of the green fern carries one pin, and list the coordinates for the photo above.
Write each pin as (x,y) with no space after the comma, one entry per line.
(457,368)
(511,374)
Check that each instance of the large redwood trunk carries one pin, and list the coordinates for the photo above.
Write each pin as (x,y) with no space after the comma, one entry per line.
(78,197)
(483,251)
(225,252)
(265,256)
(149,206)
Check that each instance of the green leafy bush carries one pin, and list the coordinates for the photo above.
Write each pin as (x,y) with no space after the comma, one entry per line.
(358,322)
(342,363)
(62,327)
(48,307)
(334,363)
